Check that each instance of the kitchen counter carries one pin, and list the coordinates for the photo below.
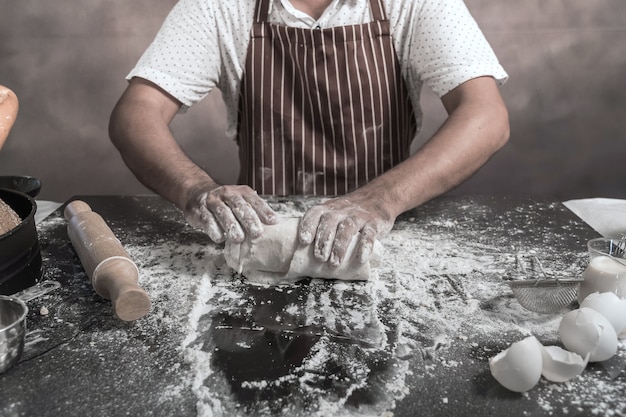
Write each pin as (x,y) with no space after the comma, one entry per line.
(414,340)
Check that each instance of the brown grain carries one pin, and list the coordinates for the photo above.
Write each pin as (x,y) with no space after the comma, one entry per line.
(8,218)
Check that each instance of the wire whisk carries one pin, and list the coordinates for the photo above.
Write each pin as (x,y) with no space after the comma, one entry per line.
(619,250)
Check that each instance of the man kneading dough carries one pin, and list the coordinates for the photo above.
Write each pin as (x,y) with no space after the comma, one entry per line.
(330,120)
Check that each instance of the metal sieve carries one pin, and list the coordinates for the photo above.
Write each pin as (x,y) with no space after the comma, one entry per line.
(546,294)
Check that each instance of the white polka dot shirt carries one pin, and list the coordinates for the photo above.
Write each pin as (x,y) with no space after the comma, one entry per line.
(203,43)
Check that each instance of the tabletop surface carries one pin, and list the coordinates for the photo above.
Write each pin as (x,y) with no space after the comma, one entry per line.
(414,340)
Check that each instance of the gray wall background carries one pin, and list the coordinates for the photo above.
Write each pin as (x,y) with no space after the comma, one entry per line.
(66,60)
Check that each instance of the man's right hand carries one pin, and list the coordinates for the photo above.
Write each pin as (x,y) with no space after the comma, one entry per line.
(228,211)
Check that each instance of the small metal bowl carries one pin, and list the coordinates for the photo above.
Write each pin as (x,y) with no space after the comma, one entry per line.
(13,313)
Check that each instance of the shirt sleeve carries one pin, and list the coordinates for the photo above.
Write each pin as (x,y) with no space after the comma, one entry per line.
(448,48)
(184,58)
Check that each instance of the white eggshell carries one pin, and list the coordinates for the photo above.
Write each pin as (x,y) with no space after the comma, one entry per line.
(518,368)
(610,306)
(560,365)
(585,331)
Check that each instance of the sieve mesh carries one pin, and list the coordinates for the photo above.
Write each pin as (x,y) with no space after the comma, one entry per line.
(545,295)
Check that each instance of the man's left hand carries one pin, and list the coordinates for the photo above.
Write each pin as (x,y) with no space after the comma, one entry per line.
(332,225)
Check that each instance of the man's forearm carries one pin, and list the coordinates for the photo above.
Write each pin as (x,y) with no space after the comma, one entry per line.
(476,129)
(139,128)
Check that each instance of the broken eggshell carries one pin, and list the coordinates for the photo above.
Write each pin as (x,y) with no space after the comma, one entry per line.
(560,365)
(518,368)
(610,306)
(585,331)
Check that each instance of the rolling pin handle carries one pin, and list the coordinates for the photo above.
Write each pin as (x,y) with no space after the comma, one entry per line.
(116,278)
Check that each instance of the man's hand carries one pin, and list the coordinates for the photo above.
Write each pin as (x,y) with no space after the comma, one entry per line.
(228,212)
(331,226)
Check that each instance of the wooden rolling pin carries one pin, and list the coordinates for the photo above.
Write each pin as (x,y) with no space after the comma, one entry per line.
(112,272)
(8,112)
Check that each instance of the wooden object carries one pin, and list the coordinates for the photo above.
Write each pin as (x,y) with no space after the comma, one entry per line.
(8,112)
(112,272)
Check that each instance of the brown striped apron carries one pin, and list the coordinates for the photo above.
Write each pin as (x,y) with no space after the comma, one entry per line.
(321,111)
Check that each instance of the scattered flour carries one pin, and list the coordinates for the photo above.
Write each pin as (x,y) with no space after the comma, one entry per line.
(320,347)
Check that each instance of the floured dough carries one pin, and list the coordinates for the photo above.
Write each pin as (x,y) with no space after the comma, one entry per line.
(277,256)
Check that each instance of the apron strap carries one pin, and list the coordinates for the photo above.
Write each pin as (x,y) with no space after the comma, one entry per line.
(261,11)
(378,10)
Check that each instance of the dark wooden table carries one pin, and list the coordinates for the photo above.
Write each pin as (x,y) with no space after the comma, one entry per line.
(413,341)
